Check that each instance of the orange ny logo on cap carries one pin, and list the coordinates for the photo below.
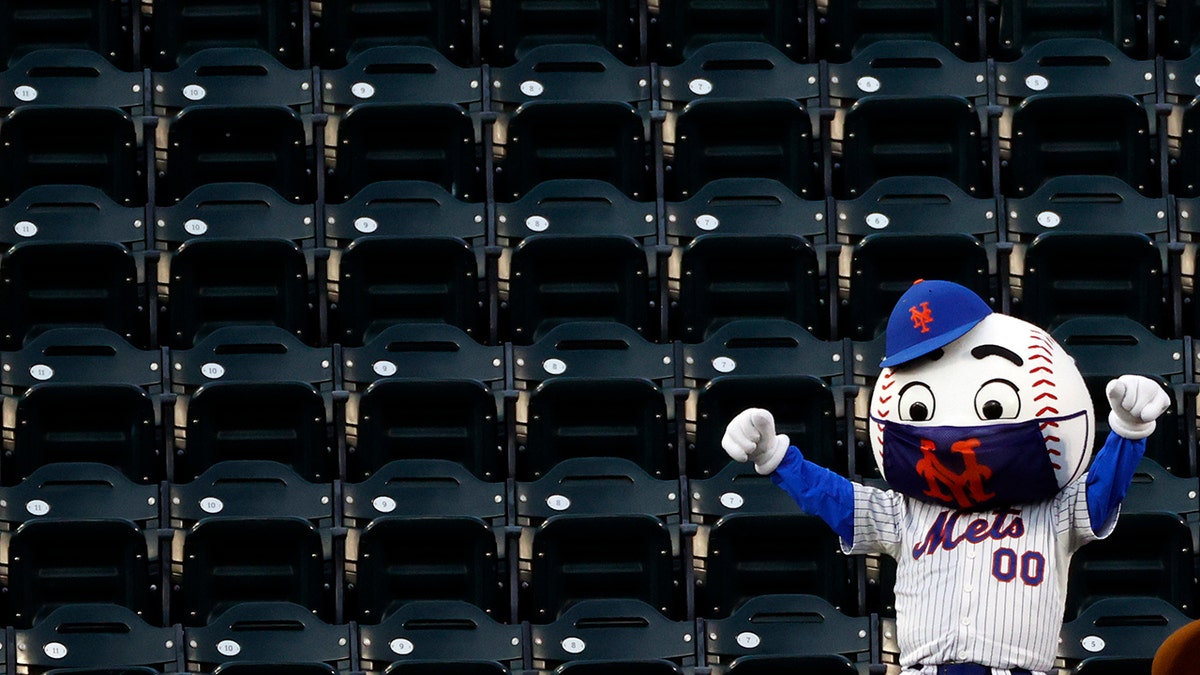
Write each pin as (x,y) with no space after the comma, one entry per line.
(921,318)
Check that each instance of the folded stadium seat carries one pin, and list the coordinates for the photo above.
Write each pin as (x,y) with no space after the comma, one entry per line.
(234,115)
(225,561)
(553,280)
(67,561)
(253,393)
(514,27)
(429,637)
(1106,347)
(418,141)
(1089,247)
(439,283)
(97,146)
(176,30)
(224,144)
(925,216)
(755,554)
(92,284)
(774,633)
(602,636)
(845,28)
(100,26)
(1117,635)
(403,558)
(572,111)
(423,531)
(773,365)
(215,283)
(681,27)
(112,390)
(343,29)
(908,108)
(403,113)
(590,389)
(94,639)
(268,638)
(1043,133)
(1148,554)
(936,135)
(729,276)
(282,422)
(713,140)
(1176,28)
(424,391)
(603,140)
(576,557)
(1014,26)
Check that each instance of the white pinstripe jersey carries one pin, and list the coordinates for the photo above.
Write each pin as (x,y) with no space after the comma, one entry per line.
(976,587)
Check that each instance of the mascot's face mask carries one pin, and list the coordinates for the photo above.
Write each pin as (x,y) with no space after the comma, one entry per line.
(997,416)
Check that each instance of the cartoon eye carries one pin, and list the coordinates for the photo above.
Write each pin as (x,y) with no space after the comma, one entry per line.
(916,402)
(997,400)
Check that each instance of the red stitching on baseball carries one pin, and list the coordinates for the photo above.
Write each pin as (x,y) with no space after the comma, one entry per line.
(884,399)
(1043,382)
(883,413)
(1041,369)
(1043,357)
(1053,439)
(1045,410)
(1043,395)
(1056,466)
(1043,425)
(1053,452)
(1042,347)
(887,385)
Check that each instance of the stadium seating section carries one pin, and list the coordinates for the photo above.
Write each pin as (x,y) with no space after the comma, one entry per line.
(399,336)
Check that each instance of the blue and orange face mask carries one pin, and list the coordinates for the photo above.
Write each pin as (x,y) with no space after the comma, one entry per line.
(970,467)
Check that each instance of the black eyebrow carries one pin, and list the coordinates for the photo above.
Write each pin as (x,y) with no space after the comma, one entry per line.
(996,350)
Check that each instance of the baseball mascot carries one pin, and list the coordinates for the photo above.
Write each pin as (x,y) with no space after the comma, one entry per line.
(983,428)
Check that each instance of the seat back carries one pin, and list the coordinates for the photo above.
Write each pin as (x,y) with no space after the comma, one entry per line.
(230,560)
(59,562)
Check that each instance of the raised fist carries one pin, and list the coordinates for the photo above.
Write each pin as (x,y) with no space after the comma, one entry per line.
(1136,402)
(751,437)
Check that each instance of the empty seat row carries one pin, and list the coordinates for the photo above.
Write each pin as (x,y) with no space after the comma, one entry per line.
(160,33)
(262,536)
(431,392)
(430,638)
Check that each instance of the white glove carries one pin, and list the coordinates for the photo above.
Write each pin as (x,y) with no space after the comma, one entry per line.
(1136,402)
(751,437)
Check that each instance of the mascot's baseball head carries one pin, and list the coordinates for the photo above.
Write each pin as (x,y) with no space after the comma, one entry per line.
(973,409)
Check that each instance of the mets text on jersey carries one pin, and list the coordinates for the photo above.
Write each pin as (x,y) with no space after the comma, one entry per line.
(1004,524)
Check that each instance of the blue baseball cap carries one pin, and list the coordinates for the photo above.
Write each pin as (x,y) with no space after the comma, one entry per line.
(930,315)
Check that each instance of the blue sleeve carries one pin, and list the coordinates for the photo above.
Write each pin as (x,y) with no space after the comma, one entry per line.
(818,491)
(1109,477)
